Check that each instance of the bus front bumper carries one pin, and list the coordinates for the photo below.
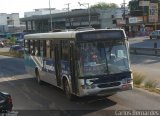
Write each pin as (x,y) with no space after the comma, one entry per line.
(105,91)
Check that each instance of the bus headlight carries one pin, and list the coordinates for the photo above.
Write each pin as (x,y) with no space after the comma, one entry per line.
(129,80)
(126,80)
(87,86)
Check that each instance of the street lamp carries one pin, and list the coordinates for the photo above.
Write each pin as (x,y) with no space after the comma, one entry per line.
(50,14)
(89,14)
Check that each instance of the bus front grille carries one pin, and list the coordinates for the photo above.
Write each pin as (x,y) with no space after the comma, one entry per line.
(109,84)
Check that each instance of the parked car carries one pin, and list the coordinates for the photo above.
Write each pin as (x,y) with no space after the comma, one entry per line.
(20,42)
(5,102)
(1,44)
(16,48)
(155,34)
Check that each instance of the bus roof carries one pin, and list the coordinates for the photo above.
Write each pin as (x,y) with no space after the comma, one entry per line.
(50,35)
(62,35)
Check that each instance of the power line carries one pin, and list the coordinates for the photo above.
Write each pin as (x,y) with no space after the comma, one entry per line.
(50,15)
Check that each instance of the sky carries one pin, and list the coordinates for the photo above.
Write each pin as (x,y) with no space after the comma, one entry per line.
(21,6)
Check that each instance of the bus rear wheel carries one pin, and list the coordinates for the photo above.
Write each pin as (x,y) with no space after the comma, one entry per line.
(67,90)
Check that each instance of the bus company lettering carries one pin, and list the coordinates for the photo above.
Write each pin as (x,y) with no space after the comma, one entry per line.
(48,67)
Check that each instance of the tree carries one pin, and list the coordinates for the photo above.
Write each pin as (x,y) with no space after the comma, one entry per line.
(13,40)
(103,5)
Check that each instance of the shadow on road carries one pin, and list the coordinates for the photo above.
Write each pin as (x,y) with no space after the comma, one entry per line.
(146,43)
(45,100)
(144,59)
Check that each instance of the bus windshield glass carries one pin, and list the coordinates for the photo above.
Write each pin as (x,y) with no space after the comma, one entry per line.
(104,57)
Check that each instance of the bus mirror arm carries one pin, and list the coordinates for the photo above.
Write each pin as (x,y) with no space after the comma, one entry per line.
(127,38)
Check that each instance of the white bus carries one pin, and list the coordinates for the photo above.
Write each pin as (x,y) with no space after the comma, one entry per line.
(82,63)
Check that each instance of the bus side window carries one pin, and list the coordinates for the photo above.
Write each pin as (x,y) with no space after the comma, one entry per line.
(48,49)
(41,48)
(37,47)
(44,48)
(26,46)
(52,49)
(65,50)
(31,47)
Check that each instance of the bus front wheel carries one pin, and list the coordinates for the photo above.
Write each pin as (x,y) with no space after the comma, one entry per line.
(67,90)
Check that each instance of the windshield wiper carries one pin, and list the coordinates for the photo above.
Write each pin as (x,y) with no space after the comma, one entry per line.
(111,46)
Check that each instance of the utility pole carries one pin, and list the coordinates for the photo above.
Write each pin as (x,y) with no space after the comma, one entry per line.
(143,13)
(50,15)
(68,8)
(89,12)
(124,13)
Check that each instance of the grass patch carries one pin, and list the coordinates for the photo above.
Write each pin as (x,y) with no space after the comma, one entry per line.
(5,53)
(150,84)
(151,89)
(13,54)
(138,78)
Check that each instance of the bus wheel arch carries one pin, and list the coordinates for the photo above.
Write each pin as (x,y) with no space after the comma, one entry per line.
(67,89)
(38,76)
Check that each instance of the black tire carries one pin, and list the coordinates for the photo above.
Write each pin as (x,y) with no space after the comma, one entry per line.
(67,90)
(150,37)
(38,78)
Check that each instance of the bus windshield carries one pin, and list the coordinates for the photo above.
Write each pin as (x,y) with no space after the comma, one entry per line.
(100,58)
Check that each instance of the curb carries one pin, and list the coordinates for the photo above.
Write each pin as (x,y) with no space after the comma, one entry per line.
(158,89)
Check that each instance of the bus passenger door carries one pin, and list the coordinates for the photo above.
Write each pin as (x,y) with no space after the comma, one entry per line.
(57,64)
(73,69)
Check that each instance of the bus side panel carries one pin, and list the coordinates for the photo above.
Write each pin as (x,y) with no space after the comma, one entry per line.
(73,70)
(65,68)
(49,69)
(29,64)
(45,68)
(57,64)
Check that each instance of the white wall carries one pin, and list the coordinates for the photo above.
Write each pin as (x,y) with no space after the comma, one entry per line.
(14,18)
(42,12)
(3,19)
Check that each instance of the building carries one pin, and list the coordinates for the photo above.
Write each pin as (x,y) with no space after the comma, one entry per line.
(97,18)
(3,23)
(10,23)
(42,11)
(144,17)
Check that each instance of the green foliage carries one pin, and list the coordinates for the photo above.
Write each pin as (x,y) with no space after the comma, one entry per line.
(138,78)
(103,5)
(13,40)
(150,84)
(12,54)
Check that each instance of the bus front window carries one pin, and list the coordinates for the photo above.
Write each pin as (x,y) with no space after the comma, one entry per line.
(99,58)
(117,58)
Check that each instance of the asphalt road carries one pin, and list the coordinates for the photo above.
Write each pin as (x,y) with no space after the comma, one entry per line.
(5,49)
(144,42)
(31,99)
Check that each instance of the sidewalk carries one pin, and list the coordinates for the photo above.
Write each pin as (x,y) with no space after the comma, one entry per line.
(138,38)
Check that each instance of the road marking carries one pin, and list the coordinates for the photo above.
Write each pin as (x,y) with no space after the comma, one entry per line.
(15,77)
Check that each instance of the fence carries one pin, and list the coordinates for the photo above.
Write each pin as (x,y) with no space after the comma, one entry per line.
(145,51)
